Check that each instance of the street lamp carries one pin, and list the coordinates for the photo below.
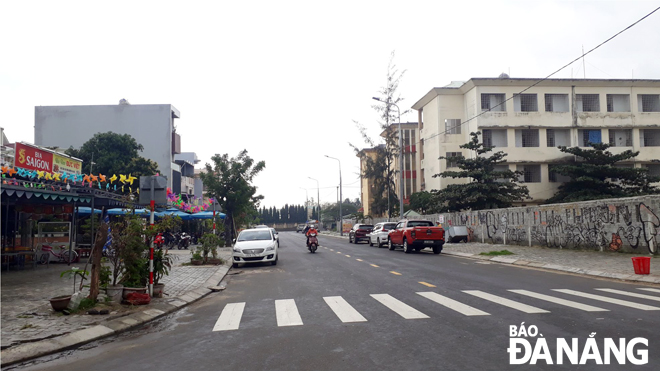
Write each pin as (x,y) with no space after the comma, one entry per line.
(318,200)
(341,223)
(400,156)
(306,203)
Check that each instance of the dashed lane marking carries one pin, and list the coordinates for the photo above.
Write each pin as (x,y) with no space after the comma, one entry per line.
(427,284)
(348,256)
(374,265)
(359,260)
(397,273)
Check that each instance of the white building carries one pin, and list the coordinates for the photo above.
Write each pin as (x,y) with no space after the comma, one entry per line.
(152,125)
(530,126)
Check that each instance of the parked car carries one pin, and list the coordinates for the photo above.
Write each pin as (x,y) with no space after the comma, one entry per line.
(359,232)
(300,227)
(416,235)
(379,234)
(277,236)
(255,245)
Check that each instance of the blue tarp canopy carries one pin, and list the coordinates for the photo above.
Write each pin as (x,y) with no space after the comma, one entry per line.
(180,214)
(120,211)
(84,210)
(207,215)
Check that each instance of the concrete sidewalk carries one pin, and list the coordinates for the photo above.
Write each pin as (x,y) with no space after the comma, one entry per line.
(588,262)
(31,329)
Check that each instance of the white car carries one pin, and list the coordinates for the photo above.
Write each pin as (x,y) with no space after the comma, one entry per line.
(379,234)
(255,246)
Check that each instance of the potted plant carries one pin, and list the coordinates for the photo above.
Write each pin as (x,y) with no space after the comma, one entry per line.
(127,237)
(60,303)
(197,258)
(162,265)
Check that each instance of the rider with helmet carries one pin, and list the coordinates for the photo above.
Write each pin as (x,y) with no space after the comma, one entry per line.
(310,231)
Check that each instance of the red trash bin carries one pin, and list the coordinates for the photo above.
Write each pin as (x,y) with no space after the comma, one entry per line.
(642,264)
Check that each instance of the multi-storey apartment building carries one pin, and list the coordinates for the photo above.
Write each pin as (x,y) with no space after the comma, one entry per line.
(152,125)
(528,121)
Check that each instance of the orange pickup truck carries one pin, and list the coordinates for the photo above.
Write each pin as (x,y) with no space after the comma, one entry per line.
(416,235)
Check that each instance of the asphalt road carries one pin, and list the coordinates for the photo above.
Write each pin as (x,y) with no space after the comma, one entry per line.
(386,316)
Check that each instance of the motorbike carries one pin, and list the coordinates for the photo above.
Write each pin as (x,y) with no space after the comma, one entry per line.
(159,241)
(312,242)
(184,240)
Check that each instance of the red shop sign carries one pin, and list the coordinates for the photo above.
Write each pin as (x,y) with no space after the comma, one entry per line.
(31,158)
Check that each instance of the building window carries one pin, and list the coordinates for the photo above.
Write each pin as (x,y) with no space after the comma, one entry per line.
(648,102)
(493,102)
(555,177)
(531,173)
(451,161)
(494,138)
(421,149)
(525,103)
(558,137)
(453,126)
(556,103)
(650,137)
(654,169)
(586,136)
(527,137)
(587,103)
(620,137)
(618,103)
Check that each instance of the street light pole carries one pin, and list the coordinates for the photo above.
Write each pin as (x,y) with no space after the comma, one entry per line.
(341,220)
(306,203)
(318,199)
(400,156)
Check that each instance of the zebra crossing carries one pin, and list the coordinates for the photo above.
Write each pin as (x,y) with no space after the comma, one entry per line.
(287,313)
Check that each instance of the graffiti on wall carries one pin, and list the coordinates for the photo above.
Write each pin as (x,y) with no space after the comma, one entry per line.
(599,227)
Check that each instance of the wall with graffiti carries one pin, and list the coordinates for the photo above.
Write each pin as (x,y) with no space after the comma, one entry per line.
(624,224)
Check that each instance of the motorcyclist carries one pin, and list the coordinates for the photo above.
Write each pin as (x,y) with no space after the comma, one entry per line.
(311,230)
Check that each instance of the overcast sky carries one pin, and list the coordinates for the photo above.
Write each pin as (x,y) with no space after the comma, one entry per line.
(286,79)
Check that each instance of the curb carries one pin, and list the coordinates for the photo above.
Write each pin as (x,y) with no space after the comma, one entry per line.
(536,264)
(28,351)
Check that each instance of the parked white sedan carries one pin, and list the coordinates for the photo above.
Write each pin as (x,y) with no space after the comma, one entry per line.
(379,234)
(255,246)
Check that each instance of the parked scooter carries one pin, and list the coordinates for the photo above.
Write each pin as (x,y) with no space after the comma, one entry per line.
(184,240)
(159,241)
(312,242)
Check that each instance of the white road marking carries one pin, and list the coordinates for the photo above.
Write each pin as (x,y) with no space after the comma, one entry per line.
(606,299)
(506,302)
(402,309)
(648,289)
(287,313)
(453,304)
(230,318)
(343,310)
(649,297)
(568,303)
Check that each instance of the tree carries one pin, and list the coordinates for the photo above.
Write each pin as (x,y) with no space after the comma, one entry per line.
(487,188)
(596,176)
(113,153)
(379,160)
(424,203)
(229,181)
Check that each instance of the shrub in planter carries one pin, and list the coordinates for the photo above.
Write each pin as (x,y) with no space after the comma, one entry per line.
(210,244)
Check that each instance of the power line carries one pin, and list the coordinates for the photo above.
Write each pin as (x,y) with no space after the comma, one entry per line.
(547,77)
